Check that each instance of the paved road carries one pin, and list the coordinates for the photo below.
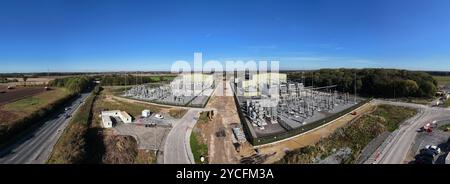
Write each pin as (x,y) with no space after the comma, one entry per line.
(177,149)
(400,141)
(36,147)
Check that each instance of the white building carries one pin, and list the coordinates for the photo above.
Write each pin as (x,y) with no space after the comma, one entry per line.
(263,83)
(191,84)
(447,159)
(146,113)
(106,121)
(122,115)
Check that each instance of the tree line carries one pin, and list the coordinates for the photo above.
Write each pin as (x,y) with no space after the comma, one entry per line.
(6,80)
(74,84)
(122,80)
(371,82)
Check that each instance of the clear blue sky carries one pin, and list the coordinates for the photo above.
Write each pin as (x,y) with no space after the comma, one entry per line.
(96,35)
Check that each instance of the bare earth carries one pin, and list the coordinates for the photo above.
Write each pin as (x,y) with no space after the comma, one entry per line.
(221,149)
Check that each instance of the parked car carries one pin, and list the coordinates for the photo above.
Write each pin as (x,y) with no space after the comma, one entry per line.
(159,116)
(436,150)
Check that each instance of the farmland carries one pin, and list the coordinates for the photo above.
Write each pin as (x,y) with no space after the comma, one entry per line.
(31,81)
(18,116)
(28,103)
(11,95)
(442,80)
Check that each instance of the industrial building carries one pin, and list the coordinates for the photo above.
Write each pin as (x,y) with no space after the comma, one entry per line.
(107,115)
(261,84)
(146,113)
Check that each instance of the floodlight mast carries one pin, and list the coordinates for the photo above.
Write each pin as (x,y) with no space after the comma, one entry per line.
(354,98)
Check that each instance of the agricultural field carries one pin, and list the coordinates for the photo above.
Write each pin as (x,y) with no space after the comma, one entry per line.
(442,80)
(31,101)
(11,95)
(31,81)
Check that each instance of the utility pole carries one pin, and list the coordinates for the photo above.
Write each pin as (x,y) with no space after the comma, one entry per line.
(394,90)
(354,99)
(303,78)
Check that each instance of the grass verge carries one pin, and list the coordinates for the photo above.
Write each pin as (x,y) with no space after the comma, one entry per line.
(445,126)
(447,103)
(198,147)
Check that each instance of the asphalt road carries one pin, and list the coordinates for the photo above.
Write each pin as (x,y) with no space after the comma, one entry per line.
(400,141)
(36,146)
(177,148)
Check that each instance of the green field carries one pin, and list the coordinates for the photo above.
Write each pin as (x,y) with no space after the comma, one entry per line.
(442,80)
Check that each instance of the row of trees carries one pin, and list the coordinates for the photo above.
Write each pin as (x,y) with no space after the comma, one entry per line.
(6,80)
(121,80)
(74,84)
(372,82)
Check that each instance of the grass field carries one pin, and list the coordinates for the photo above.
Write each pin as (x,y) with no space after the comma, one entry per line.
(24,107)
(198,147)
(355,136)
(442,80)
(393,115)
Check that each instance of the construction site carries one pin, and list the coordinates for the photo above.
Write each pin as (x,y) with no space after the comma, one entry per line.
(271,106)
(190,90)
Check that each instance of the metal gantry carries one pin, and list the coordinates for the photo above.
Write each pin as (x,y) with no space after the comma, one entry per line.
(293,105)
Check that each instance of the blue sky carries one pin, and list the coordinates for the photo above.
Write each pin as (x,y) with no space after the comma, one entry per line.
(111,35)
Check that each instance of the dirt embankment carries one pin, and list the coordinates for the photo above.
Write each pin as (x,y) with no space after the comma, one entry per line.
(120,149)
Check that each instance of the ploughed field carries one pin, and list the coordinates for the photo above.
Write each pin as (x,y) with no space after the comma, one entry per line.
(11,95)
